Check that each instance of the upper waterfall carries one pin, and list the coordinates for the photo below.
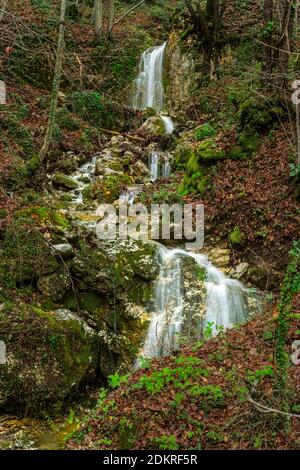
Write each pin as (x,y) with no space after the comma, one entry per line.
(149,90)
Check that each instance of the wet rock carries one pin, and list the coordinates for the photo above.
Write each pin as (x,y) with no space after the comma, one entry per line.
(153,127)
(139,169)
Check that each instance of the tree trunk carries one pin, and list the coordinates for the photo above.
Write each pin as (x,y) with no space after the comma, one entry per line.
(3,8)
(56,80)
(267,60)
(98,18)
(111,16)
(284,44)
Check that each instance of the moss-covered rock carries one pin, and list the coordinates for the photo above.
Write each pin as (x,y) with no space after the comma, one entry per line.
(54,286)
(153,127)
(50,355)
(25,255)
(209,151)
(64,182)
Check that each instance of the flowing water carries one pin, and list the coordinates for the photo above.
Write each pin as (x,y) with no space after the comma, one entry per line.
(149,83)
(149,89)
(226,301)
(159,166)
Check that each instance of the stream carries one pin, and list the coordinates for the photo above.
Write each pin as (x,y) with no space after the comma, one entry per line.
(226,299)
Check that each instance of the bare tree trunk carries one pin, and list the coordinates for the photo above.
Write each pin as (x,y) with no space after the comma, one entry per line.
(111,16)
(267,63)
(2,8)
(284,44)
(98,18)
(56,80)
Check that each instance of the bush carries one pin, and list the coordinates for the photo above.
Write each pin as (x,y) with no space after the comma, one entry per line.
(94,108)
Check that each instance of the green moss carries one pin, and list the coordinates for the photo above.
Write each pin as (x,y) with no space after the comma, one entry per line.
(208,151)
(65,120)
(25,255)
(91,301)
(47,367)
(204,131)
(237,237)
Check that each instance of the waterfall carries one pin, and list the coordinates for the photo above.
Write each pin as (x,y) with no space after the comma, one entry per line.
(153,166)
(226,301)
(159,166)
(169,125)
(148,84)
(149,89)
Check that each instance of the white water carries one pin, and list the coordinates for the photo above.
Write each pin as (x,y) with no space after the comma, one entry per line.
(159,166)
(169,124)
(83,176)
(149,86)
(153,166)
(226,302)
(149,89)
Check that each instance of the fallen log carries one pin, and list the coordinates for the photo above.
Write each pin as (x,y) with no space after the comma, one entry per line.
(132,137)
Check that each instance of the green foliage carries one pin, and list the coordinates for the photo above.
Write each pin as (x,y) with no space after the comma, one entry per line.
(167,442)
(260,374)
(43,6)
(294,171)
(65,121)
(94,108)
(116,380)
(188,367)
(204,131)
(290,287)
(167,197)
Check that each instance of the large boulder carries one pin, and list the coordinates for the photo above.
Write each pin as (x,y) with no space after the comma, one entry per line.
(49,356)
(64,182)
(153,127)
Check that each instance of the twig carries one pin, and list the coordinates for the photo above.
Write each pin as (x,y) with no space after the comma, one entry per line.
(267,409)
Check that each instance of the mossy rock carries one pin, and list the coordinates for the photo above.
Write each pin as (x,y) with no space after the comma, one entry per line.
(257,115)
(107,189)
(237,237)
(64,182)
(209,151)
(25,256)
(54,286)
(154,127)
(50,355)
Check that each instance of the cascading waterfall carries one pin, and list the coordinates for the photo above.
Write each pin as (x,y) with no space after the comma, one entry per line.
(226,301)
(149,86)
(149,89)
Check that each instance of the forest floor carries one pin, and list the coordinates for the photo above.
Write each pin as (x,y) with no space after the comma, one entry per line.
(201,398)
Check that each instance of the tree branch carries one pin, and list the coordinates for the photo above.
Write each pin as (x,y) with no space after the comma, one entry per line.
(123,16)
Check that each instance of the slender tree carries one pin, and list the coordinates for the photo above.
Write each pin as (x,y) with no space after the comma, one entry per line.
(267,61)
(111,15)
(3,5)
(98,17)
(56,80)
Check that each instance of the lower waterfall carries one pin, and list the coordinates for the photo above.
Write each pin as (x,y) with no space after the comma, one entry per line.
(226,302)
